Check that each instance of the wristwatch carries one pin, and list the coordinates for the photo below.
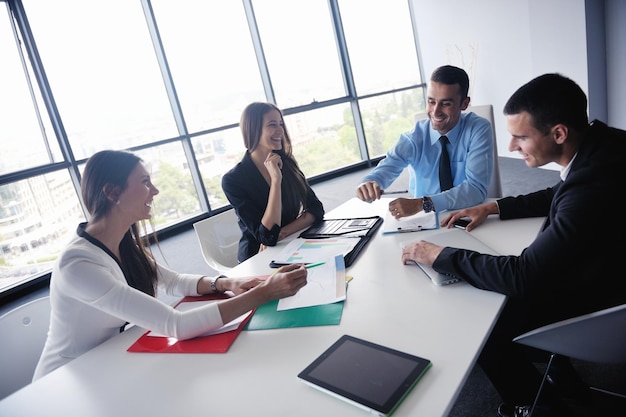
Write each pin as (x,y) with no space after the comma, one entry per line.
(214,284)
(427,204)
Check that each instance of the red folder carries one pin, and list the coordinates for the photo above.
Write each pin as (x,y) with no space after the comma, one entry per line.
(215,343)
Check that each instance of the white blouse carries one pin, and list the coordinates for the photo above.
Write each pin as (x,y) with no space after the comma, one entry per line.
(90,300)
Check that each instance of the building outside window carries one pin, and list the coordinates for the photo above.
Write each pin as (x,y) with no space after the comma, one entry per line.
(169,80)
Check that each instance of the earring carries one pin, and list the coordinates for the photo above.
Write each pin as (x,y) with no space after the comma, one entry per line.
(117,203)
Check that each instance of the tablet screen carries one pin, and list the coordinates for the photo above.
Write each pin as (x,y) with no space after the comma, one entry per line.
(368,374)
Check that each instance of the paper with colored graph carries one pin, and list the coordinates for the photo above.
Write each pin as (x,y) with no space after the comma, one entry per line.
(315,250)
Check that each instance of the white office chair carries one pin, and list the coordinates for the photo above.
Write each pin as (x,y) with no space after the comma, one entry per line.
(495,187)
(219,239)
(23,332)
(598,337)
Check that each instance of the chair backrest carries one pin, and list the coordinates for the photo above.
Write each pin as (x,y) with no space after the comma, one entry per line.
(495,186)
(23,333)
(598,337)
(219,239)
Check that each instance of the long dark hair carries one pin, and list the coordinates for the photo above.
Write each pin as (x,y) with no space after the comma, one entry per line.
(294,182)
(112,168)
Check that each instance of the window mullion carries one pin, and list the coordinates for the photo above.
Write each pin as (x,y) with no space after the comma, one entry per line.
(258,48)
(19,14)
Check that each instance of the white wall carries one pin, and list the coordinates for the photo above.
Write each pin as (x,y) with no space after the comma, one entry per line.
(504,44)
(616,62)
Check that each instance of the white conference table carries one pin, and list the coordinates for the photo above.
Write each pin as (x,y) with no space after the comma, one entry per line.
(388,303)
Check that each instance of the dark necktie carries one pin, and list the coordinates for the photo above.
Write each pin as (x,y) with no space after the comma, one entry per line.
(445,172)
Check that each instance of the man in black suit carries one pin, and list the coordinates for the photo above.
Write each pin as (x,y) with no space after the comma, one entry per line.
(575,264)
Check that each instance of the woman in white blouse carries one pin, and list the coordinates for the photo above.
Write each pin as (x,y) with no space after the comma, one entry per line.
(106,277)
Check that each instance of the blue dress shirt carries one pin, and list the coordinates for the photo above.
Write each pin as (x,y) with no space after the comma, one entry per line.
(471,160)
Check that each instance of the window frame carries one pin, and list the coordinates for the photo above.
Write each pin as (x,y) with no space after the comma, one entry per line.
(22,29)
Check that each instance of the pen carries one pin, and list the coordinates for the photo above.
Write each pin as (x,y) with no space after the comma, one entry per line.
(412,229)
(395,192)
(309,266)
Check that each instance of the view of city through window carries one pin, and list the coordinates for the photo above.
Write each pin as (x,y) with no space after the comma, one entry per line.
(168,81)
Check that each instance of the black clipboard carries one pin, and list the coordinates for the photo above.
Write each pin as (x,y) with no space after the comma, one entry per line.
(364,228)
(350,227)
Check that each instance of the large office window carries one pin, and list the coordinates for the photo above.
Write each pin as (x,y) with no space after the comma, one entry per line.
(169,80)
(24,142)
(208,47)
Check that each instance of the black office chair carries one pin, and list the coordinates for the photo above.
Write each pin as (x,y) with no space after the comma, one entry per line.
(598,337)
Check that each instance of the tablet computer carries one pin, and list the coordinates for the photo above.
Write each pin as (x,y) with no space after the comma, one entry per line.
(370,376)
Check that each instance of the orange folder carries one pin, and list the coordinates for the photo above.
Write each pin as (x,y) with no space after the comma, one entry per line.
(215,343)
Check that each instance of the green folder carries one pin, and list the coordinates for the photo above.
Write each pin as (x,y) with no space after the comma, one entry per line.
(268,317)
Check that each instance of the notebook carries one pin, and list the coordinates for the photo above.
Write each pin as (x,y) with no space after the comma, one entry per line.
(456,238)
(367,375)
(358,226)
(360,229)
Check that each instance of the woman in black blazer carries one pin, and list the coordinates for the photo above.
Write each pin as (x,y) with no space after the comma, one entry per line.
(267,189)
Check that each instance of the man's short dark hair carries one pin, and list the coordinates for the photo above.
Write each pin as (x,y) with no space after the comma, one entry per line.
(450,75)
(550,99)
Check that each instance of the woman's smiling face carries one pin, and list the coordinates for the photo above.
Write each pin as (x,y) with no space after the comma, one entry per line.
(273,133)
(136,199)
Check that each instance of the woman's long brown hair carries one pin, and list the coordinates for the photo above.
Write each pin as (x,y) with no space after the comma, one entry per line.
(251,125)
(114,168)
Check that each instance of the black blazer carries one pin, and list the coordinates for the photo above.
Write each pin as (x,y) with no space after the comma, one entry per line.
(248,192)
(576,263)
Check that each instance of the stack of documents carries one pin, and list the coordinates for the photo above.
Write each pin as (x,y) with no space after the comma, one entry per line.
(308,251)
(319,303)
(328,238)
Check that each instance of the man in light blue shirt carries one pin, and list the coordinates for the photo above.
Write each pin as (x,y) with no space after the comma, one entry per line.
(470,146)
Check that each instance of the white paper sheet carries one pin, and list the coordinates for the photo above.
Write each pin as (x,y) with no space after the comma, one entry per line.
(302,250)
(326,284)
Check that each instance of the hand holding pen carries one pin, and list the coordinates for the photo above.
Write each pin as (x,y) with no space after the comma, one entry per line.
(370,191)
(286,281)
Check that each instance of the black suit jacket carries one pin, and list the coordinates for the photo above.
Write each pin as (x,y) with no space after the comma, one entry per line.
(576,263)
(248,192)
